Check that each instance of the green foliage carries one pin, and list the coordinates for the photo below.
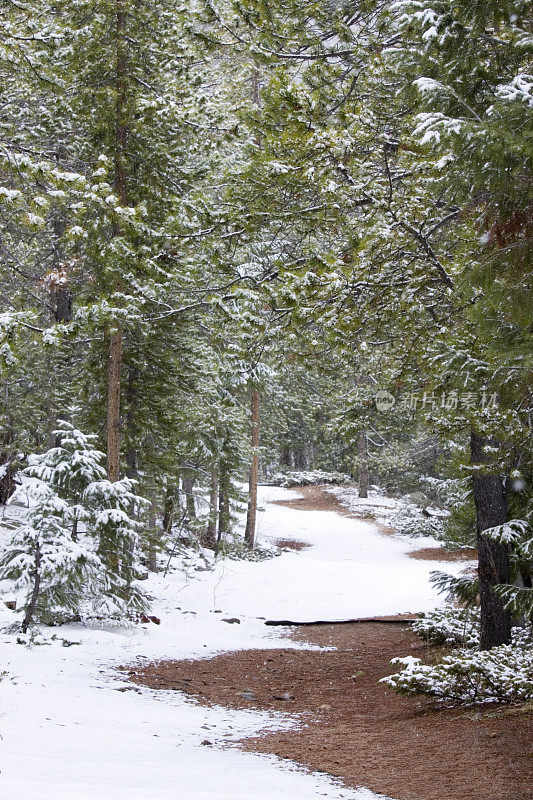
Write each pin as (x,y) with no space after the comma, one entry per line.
(449,626)
(502,674)
(75,553)
(465,590)
(53,573)
(466,676)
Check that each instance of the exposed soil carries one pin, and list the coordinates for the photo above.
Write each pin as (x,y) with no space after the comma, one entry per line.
(351,726)
(316,498)
(292,544)
(356,729)
(439,554)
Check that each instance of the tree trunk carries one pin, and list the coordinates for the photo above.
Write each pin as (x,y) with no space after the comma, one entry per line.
(9,460)
(493,558)
(211,530)
(249,534)
(187,480)
(362,461)
(152,552)
(60,293)
(285,455)
(74,534)
(116,343)
(299,457)
(113,405)
(8,465)
(61,301)
(130,423)
(168,511)
(7,477)
(223,508)
(30,611)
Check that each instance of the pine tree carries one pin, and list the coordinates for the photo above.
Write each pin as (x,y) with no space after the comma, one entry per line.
(76,551)
(54,573)
(111,506)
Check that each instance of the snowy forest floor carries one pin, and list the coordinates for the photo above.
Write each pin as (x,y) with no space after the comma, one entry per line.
(352,727)
(74,726)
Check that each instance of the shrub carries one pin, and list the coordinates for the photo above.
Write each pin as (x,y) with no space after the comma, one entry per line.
(467,676)
(308,478)
(449,626)
(503,674)
(408,520)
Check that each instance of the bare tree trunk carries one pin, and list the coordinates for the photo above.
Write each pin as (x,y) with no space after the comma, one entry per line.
(61,300)
(285,455)
(187,480)
(113,405)
(493,558)
(211,530)
(116,343)
(152,553)
(168,511)
(362,461)
(299,457)
(30,611)
(249,534)
(8,465)
(223,508)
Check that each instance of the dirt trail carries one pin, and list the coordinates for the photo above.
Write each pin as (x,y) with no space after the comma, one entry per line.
(353,727)
(356,729)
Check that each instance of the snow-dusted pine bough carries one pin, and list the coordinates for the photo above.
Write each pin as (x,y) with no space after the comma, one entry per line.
(308,478)
(467,675)
(503,674)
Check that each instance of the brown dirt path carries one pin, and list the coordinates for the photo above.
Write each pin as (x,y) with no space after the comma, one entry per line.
(356,729)
(353,727)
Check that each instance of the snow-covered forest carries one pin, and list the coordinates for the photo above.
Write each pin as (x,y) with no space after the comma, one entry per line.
(265,350)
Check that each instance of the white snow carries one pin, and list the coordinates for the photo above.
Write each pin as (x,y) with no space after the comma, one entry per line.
(350,571)
(66,732)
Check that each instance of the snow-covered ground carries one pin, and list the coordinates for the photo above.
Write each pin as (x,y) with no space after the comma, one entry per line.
(68,731)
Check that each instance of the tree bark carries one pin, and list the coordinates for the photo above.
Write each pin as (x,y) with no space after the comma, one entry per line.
(249,534)
(168,511)
(362,461)
(188,486)
(211,530)
(223,508)
(493,558)
(152,552)
(299,457)
(285,455)
(8,465)
(113,405)
(116,343)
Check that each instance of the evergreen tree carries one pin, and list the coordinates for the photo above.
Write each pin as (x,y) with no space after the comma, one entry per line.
(54,573)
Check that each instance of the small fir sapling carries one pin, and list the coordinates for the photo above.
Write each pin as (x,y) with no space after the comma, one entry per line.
(467,675)
(64,570)
(53,572)
(111,507)
(501,674)
(75,469)
(70,466)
